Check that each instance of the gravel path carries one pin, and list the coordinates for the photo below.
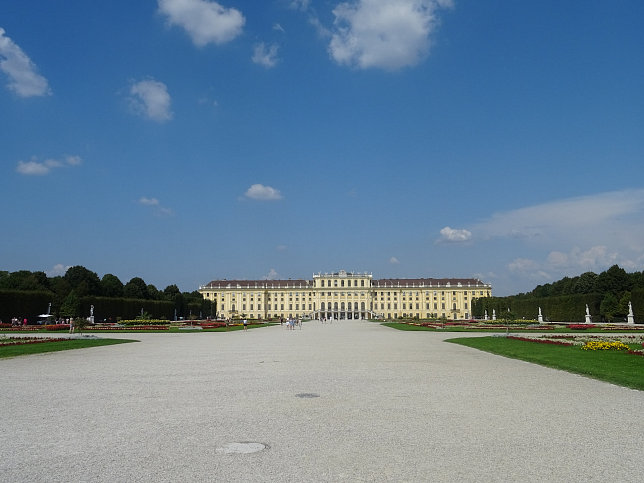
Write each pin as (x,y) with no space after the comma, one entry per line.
(348,401)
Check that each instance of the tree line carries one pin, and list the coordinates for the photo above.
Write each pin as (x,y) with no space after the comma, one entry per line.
(29,294)
(607,295)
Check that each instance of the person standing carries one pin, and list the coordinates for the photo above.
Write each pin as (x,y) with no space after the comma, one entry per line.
(245,324)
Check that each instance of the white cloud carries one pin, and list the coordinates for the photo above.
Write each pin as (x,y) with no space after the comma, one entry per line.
(281,248)
(32,168)
(272,275)
(279,28)
(568,237)
(585,217)
(265,56)
(148,201)
(558,264)
(453,235)
(261,192)
(300,4)
(594,258)
(383,33)
(150,99)
(74,160)
(41,168)
(156,204)
(24,78)
(522,265)
(58,270)
(394,260)
(205,21)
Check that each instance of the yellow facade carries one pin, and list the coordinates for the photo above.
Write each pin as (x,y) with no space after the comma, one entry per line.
(343,295)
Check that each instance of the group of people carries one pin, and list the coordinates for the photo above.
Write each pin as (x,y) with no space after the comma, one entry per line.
(291,323)
(15,322)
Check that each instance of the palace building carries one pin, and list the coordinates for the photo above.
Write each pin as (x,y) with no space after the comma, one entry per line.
(345,295)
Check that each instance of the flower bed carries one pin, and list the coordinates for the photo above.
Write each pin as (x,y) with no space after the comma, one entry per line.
(131,328)
(602,345)
(149,322)
(542,340)
(581,326)
(57,327)
(590,342)
(8,341)
(212,325)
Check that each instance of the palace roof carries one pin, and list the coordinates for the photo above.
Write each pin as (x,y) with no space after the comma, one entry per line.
(384,282)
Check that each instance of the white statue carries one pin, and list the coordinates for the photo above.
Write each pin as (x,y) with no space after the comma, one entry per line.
(540,320)
(588,317)
(493,314)
(631,317)
(485,314)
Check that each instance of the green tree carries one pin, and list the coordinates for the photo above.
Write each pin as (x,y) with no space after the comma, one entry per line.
(83,281)
(609,306)
(585,283)
(111,286)
(71,305)
(24,280)
(614,280)
(171,291)
(153,293)
(622,306)
(507,315)
(135,289)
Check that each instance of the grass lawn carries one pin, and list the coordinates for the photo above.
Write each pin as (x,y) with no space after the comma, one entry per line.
(615,367)
(25,349)
(558,330)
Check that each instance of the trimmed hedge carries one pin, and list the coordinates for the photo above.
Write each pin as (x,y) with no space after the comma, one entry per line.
(637,299)
(21,304)
(106,308)
(564,308)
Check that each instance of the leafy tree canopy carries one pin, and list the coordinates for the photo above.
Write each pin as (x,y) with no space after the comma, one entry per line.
(111,286)
(83,281)
(136,288)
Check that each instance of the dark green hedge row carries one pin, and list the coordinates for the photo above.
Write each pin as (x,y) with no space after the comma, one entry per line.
(564,308)
(21,304)
(637,299)
(30,304)
(106,308)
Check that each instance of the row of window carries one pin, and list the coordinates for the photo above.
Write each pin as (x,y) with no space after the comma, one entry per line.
(335,283)
(387,315)
(341,306)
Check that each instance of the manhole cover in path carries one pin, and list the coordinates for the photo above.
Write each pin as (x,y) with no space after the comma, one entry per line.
(244,447)
(307,395)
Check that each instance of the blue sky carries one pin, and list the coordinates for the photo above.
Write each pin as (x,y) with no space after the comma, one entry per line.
(187,140)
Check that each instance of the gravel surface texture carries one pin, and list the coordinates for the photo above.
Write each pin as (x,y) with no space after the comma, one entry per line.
(347,401)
